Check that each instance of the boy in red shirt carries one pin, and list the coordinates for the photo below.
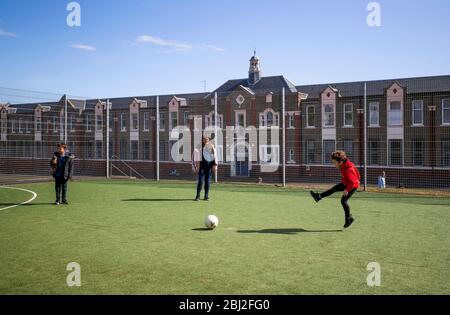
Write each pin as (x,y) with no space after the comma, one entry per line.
(349,184)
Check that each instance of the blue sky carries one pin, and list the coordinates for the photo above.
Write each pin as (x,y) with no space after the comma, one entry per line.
(141,47)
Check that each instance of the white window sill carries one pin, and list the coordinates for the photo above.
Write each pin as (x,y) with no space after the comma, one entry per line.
(348,127)
(445,125)
(417,125)
(375,126)
(310,127)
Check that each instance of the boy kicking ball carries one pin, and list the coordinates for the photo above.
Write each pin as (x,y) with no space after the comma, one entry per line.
(349,184)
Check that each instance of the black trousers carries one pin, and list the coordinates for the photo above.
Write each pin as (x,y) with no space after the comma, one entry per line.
(60,189)
(344,199)
(204,174)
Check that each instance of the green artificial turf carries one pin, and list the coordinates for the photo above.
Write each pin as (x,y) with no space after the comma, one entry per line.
(148,238)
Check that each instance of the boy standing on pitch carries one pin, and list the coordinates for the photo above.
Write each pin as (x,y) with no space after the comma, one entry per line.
(62,171)
(349,185)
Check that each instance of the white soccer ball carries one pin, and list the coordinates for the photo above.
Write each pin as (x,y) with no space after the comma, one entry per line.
(211,222)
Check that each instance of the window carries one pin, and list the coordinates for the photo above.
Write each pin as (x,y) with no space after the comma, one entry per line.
(123,122)
(162,123)
(98,122)
(29,125)
(417,113)
(111,149)
(329,146)
(374,114)
(135,150)
(54,123)
(374,152)
(134,122)
(123,149)
(446,112)
(269,98)
(146,121)
(348,147)
(291,156)
(146,150)
(445,152)
(328,115)
(98,149)
(162,151)
(418,152)
(111,121)
(173,120)
(348,115)
(395,152)
(186,118)
(90,149)
(72,123)
(89,122)
(20,125)
(13,126)
(269,118)
(310,152)
(291,121)
(210,120)
(38,124)
(240,119)
(395,114)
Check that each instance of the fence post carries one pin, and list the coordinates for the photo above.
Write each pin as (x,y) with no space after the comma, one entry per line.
(157,138)
(107,138)
(65,119)
(215,131)
(284,135)
(365,136)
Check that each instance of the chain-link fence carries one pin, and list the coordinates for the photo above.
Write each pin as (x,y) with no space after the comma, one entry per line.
(397,132)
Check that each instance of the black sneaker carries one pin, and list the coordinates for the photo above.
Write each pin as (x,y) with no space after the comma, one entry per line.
(206,198)
(316,196)
(197,199)
(65,202)
(348,222)
(56,203)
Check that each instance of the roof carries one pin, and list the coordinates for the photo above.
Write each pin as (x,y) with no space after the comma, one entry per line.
(263,86)
(355,89)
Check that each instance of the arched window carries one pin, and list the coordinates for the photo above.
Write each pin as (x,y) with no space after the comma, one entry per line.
(269,118)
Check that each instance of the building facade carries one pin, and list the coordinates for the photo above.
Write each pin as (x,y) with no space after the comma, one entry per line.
(406,133)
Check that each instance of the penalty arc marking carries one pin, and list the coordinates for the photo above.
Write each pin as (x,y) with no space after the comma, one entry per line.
(19,204)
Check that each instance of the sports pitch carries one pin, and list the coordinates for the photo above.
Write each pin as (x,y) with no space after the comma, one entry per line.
(148,238)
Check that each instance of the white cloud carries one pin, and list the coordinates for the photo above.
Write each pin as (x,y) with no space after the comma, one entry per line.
(212,47)
(5,33)
(83,47)
(175,45)
(163,42)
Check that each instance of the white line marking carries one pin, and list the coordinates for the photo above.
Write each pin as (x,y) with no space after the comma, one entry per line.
(23,203)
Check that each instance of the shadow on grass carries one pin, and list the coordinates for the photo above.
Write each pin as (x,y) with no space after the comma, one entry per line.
(202,230)
(159,200)
(287,231)
(27,204)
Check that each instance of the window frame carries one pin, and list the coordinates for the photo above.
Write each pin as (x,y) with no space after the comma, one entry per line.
(413,111)
(377,112)
(347,112)
(444,123)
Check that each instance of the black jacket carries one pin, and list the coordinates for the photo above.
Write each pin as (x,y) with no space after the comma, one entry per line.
(68,165)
